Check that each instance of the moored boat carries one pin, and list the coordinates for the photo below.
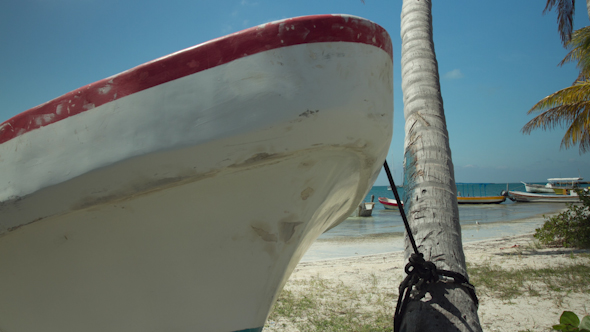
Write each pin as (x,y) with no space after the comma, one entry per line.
(560,186)
(520,196)
(538,188)
(388,203)
(365,209)
(113,197)
(476,193)
(480,199)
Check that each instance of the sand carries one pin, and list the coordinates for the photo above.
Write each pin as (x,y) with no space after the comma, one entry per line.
(534,313)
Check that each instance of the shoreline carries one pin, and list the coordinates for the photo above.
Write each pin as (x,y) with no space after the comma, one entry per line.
(340,247)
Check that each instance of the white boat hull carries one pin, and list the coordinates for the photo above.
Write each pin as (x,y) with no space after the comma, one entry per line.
(559,186)
(519,196)
(388,203)
(116,219)
(538,188)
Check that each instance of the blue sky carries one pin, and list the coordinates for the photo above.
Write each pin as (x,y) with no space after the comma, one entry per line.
(495,62)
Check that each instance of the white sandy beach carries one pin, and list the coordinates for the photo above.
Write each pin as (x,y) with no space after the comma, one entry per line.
(524,313)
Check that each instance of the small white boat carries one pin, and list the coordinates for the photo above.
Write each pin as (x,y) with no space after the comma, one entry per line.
(365,209)
(480,199)
(538,188)
(520,196)
(388,203)
(113,197)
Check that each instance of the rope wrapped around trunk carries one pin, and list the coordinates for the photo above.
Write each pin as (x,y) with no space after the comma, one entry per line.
(420,272)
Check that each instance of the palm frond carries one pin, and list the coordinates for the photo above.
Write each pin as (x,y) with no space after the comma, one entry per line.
(578,133)
(569,107)
(565,17)
(557,116)
(580,51)
(582,77)
(577,93)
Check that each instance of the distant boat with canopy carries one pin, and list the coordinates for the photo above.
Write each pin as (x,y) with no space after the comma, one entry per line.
(472,193)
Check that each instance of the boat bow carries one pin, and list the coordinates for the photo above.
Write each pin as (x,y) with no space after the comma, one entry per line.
(114,211)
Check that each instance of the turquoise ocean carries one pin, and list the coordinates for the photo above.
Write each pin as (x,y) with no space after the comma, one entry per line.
(384,230)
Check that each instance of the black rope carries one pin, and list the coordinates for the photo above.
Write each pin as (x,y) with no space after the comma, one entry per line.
(399,205)
(420,272)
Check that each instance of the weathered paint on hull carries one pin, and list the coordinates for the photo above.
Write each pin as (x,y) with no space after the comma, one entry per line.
(178,258)
(116,219)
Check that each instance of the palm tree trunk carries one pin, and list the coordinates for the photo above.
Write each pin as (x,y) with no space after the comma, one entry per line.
(429,181)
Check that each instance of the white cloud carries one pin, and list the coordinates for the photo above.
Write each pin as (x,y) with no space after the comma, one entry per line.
(454,74)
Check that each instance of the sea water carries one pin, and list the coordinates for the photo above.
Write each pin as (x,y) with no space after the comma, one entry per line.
(384,230)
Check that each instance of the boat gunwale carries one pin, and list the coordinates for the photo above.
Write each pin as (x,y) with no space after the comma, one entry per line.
(389,201)
(265,37)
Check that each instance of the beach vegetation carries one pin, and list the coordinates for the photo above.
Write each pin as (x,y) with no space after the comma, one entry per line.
(319,304)
(322,304)
(511,283)
(571,228)
(569,322)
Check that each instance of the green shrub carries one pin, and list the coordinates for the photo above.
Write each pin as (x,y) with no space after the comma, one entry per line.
(569,322)
(571,228)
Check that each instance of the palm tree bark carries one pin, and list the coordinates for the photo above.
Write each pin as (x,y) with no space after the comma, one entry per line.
(431,194)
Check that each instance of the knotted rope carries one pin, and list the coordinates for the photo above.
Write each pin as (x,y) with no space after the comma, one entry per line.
(419,271)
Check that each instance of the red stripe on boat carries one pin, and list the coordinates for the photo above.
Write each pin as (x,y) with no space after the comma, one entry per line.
(295,31)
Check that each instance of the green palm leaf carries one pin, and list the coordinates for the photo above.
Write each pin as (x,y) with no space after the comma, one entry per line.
(580,52)
(569,107)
